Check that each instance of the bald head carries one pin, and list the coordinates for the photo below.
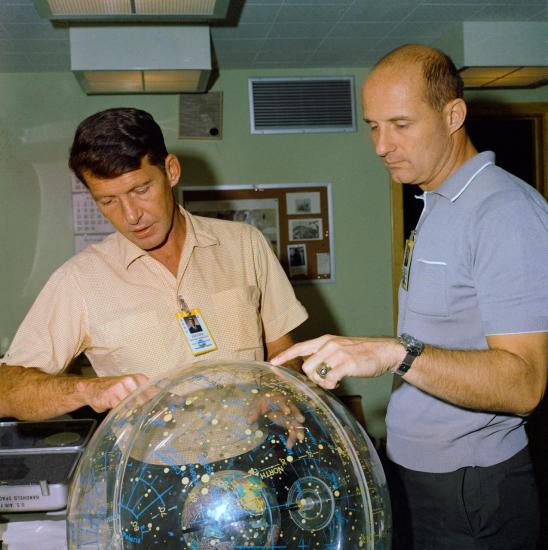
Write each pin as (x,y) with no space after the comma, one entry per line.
(411,103)
(442,82)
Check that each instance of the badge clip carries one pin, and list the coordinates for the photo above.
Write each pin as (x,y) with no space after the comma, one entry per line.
(407,256)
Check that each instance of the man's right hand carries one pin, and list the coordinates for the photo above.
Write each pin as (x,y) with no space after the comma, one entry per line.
(30,394)
(106,392)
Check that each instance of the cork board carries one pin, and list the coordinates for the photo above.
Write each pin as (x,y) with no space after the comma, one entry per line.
(296,220)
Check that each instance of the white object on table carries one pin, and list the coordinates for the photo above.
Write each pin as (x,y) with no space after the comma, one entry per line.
(34,531)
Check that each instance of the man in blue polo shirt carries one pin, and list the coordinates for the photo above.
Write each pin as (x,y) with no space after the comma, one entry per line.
(473,321)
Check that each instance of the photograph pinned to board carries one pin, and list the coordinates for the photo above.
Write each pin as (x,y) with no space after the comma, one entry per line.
(261,213)
(305,229)
(303,203)
(297,259)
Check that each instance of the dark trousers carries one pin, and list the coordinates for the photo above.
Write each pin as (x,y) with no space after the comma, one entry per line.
(473,508)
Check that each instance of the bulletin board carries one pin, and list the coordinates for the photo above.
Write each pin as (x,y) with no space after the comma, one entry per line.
(296,220)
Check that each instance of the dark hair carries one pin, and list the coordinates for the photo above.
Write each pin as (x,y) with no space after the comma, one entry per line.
(113,142)
(442,80)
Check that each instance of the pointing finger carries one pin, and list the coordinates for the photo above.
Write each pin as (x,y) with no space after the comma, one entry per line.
(302,349)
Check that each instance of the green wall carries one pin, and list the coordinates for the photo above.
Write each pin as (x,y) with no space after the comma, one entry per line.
(38,115)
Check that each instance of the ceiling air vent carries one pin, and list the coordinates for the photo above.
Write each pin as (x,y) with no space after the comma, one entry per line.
(302,105)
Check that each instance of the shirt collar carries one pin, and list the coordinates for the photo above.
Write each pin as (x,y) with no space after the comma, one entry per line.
(456,183)
(197,234)
(198,231)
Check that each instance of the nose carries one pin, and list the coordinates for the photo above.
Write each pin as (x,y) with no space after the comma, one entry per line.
(384,143)
(131,211)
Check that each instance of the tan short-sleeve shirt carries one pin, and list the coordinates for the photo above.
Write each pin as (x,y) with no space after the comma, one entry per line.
(118,305)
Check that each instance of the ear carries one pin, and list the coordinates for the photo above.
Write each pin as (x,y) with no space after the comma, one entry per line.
(455,114)
(173,169)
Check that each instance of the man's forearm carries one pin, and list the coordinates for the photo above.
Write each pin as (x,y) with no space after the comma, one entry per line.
(490,380)
(30,394)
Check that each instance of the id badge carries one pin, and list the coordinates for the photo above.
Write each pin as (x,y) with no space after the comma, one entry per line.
(407,256)
(196,332)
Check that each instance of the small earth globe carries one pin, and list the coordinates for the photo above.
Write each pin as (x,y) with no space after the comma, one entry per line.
(229,455)
(235,510)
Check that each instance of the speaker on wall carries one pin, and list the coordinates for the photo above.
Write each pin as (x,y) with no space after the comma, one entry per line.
(200,116)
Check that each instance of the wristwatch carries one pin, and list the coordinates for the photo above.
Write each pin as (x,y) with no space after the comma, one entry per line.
(413,347)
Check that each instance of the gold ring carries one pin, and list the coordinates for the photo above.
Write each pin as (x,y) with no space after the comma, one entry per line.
(323,370)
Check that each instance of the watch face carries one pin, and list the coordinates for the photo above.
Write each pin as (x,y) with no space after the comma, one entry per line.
(413,345)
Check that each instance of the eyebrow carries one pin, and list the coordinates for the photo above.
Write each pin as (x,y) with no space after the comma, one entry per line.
(392,119)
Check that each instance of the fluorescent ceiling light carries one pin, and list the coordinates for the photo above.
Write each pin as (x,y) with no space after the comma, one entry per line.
(504,77)
(141,59)
(132,10)
(502,54)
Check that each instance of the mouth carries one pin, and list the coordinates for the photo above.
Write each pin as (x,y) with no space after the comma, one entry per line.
(143,232)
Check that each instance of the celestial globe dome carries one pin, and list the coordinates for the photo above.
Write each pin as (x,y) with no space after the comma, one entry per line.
(229,455)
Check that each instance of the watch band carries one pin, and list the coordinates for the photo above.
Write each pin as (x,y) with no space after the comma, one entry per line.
(405,365)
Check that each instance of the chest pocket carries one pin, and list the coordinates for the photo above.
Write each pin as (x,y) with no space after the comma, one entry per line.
(238,321)
(428,288)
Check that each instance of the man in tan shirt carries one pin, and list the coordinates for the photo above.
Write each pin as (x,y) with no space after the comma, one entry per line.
(117,301)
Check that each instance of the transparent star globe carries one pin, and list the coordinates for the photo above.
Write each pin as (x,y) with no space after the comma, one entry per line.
(229,456)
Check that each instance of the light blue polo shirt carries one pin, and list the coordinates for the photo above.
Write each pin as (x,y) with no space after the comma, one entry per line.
(479,268)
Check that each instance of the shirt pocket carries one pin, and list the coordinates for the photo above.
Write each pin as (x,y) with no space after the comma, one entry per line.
(238,321)
(428,288)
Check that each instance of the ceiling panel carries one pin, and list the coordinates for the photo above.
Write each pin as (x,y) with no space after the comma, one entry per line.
(524,11)
(302,30)
(245,31)
(442,13)
(260,13)
(363,29)
(380,11)
(306,13)
(280,33)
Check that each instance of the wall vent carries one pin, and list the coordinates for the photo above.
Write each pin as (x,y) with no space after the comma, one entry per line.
(302,105)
